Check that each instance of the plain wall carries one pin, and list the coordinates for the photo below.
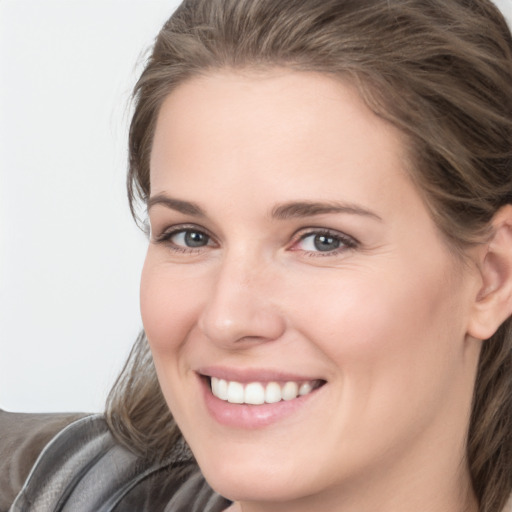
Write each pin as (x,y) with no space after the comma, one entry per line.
(70,254)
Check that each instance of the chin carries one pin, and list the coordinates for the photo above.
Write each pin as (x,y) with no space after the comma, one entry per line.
(242,476)
(254,484)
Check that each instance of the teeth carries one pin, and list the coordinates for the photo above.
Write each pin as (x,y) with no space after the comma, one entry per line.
(290,390)
(305,389)
(256,393)
(273,393)
(222,389)
(235,392)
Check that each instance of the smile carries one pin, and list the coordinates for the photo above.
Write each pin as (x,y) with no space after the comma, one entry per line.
(257,393)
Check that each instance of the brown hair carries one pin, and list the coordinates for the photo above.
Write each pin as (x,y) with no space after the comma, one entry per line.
(439,70)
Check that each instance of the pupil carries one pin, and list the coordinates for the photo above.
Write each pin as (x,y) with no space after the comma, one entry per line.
(326,243)
(195,239)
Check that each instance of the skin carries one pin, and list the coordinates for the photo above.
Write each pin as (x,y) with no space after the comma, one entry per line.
(386,320)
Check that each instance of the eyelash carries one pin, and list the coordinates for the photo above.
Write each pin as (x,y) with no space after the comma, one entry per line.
(346,242)
(166,236)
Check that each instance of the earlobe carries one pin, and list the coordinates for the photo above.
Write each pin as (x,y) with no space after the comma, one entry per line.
(493,303)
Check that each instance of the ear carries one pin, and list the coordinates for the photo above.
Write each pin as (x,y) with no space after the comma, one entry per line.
(493,304)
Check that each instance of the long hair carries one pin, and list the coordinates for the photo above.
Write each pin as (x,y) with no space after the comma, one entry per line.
(440,71)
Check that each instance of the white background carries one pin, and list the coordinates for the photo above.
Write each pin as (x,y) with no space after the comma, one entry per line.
(70,254)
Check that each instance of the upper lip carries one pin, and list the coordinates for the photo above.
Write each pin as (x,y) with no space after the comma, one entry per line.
(246,375)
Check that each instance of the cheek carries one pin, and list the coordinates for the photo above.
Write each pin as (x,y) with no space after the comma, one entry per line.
(393,355)
(169,310)
(391,334)
(168,307)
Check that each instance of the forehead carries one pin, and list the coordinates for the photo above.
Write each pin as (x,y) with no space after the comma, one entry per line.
(236,143)
(274,119)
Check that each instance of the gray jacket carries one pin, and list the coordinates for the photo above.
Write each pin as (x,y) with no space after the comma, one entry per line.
(71,463)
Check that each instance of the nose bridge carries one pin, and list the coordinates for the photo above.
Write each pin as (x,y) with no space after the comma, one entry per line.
(240,305)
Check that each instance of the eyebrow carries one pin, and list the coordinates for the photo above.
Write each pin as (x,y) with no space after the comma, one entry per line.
(290,210)
(300,209)
(185,207)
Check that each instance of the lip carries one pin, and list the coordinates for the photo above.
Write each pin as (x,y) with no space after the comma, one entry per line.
(247,375)
(245,416)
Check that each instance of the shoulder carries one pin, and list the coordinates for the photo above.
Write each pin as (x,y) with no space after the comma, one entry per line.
(84,469)
(22,438)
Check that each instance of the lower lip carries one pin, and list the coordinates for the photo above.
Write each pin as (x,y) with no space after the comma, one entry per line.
(251,416)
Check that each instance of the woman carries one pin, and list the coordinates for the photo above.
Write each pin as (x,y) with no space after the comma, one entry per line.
(328,285)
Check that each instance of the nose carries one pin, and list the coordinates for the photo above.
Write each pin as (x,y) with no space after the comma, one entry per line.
(240,308)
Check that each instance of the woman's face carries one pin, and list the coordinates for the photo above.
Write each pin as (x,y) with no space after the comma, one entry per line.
(293,262)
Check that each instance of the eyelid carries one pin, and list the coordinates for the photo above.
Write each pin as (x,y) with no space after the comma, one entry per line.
(348,242)
(166,234)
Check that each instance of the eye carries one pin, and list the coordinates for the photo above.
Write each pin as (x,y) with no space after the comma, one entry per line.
(184,239)
(324,241)
(319,242)
(189,238)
